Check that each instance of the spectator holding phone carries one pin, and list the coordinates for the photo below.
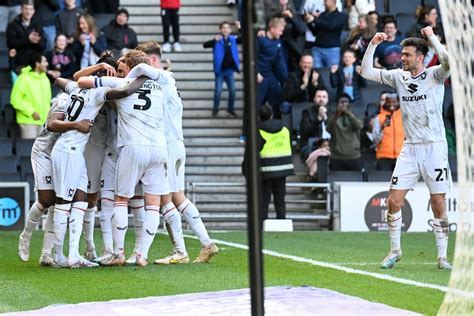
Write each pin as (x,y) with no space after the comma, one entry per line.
(388,133)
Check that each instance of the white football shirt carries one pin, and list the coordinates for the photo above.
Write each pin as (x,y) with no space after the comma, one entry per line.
(421,103)
(82,104)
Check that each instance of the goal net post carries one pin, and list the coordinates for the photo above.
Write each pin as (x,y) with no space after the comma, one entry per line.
(458,18)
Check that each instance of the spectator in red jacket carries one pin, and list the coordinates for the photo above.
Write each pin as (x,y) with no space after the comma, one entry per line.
(170,17)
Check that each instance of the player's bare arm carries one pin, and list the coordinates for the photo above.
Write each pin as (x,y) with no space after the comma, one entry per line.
(61,83)
(56,123)
(129,89)
(88,71)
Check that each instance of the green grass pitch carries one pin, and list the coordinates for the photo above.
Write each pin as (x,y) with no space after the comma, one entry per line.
(26,286)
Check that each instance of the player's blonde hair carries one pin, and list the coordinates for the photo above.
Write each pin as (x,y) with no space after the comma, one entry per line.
(150,48)
(134,57)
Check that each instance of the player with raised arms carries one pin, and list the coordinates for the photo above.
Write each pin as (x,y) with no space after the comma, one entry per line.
(69,167)
(425,150)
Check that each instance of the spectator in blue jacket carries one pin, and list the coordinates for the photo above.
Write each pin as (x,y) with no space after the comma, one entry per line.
(327,28)
(271,66)
(226,62)
(347,78)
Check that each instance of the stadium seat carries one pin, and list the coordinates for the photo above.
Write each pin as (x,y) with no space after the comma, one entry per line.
(370,94)
(358,108)
(14,131)
(3,42)
(8,165)
(372,109)
(325,73)
(380,6)
(25,167)
(405,21)
(296,112)
(368,161)
(3,130)
(4,59)
(103,19)
(23,147)
(379,176)
(9,177)
(403,6)
(9,114)
(6,147)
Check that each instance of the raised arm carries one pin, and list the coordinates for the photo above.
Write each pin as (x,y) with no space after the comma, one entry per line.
(61,83)
(88,71)
(367,68)
(129,89)
(144,70)
(443,71)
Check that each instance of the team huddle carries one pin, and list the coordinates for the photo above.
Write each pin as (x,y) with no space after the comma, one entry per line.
(121,137)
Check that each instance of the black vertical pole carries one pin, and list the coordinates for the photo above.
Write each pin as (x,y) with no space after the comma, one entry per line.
(253,170)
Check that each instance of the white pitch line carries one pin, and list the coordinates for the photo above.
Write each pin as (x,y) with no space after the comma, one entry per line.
(346,269)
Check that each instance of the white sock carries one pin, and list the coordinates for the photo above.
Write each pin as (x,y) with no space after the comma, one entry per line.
(395,229)
(191,214)
(138,210)
(49,237)
(88,230)
(61,213)
(150,226)
(105,216)
(119,226)
(34,217)
(174,226)
(76,221)
(441,231)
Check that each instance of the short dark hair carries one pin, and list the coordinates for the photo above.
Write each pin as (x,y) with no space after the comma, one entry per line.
(34,58)
(420,44)
(265,112)
(343,95)
(388,20)
(108,58)
(349,50)
(223,23)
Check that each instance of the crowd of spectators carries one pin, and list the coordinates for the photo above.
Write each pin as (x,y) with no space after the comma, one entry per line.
(47,39)
(311,53)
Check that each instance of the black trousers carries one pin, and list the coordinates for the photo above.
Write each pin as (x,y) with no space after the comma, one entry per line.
(104,6)
(170,17)
(345,164)
(277,187)
(386,164)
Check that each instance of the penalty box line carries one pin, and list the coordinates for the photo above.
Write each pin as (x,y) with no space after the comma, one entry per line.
(323,264)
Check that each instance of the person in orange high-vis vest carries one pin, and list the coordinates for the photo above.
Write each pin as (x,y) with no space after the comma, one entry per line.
(388,133)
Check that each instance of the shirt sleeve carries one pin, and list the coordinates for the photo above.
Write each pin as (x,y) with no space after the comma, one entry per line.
(145,70)
(443,71)
(100,95)
(111,82)
(70,86)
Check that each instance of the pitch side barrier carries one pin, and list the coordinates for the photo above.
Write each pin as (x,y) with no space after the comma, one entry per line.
(196,188)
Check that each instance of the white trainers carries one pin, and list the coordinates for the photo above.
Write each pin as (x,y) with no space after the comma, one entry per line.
(174,258)
(24,248)
(390,259)
(81,262)
(443,264)
(46,260)
(91,255)
(60,263)
(177,47)
(114,260)
(104,256)
(206,254)
(132,260)
(166,48)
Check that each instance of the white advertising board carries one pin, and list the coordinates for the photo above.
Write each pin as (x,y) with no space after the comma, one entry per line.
(363,206)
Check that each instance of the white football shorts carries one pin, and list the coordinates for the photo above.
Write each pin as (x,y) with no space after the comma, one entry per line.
(428,160)
(42,171)
(94,156)
(69,172)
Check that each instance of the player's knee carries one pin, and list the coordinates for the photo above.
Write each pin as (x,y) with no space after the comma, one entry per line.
(46,198)
(438,207)
(394,204)
(92,199)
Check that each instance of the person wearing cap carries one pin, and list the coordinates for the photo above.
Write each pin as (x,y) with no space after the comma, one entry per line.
(118,34)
